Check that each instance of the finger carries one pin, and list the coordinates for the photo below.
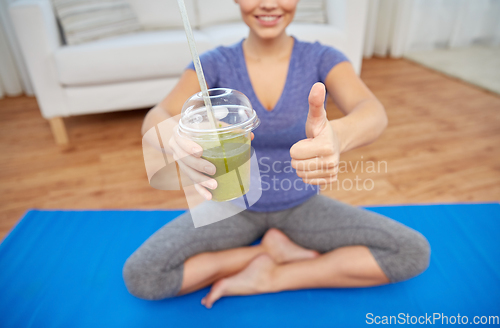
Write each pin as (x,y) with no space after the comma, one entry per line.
(317,163)
(189,146)
(316,101)
(203,192)
(318,174)
(196,176)
(316,117)
(198,164)
(321,181)
(310,148)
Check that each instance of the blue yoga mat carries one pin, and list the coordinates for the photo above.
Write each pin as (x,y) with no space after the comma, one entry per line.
(63,269)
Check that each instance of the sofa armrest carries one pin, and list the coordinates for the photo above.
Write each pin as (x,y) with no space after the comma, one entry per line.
(36,17)
(36,29)
(349,16)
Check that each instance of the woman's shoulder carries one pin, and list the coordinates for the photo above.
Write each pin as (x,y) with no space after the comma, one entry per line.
(320,58)
(317,49)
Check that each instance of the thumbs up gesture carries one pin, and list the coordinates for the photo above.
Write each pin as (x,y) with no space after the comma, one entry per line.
(316,159)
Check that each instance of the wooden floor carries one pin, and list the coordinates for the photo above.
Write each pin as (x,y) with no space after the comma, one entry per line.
(441,146)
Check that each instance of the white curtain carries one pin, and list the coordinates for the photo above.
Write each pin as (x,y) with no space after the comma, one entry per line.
(396,27)
(14,79)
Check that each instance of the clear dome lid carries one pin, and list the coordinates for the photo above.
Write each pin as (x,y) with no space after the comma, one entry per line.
(233,113)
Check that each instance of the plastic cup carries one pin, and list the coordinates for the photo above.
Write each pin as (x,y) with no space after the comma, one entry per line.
(228,144)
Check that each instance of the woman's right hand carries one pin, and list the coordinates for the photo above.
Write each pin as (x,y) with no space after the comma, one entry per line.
(187,154)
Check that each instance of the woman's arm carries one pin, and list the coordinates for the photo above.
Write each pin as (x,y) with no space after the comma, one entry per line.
(316,159)
(186,153)
(365,118)
(172,104)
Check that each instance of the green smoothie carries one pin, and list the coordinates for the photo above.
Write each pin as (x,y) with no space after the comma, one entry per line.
(232,160)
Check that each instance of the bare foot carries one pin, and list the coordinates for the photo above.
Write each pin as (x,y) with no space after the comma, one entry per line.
(254,279)
(283,250)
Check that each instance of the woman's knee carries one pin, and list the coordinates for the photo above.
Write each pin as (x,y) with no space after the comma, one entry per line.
(413,257)
(423,251)
(151,281)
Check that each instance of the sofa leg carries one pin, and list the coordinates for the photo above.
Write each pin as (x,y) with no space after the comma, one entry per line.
(59,130)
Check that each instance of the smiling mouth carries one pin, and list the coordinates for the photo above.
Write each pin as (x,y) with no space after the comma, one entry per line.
(268,18)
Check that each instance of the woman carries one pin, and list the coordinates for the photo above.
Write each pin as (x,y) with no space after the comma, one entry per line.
(309,241)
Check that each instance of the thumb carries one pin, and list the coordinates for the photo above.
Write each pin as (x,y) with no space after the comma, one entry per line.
(317,115)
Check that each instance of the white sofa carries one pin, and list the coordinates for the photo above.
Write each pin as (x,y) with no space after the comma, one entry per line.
(137,70)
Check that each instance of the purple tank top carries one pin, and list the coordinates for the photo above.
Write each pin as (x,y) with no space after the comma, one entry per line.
(225,67)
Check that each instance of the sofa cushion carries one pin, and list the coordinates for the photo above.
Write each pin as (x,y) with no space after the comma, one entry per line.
(311,11)
(138,56)
(88,20)
(325,34)
(158,14)
(225,34)
(217,12)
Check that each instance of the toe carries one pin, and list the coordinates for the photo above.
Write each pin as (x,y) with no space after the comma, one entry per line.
(215,293)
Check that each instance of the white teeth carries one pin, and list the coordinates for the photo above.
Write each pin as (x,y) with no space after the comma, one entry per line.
(268,18)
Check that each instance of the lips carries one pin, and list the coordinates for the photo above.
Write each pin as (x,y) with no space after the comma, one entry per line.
(269,20)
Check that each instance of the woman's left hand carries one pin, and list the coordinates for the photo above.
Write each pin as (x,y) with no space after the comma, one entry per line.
(316,159)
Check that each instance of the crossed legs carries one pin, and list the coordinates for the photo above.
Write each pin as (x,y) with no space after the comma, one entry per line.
(320,243)
(278,264)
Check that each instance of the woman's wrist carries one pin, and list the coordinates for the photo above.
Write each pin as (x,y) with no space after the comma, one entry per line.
(338,127)
(361,126)
(155,116)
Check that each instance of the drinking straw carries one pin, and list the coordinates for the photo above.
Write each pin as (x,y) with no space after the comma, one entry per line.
(197,64)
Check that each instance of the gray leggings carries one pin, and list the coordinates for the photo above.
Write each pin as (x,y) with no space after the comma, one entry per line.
(154,271)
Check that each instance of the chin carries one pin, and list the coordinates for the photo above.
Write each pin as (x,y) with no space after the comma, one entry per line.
(269,34)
